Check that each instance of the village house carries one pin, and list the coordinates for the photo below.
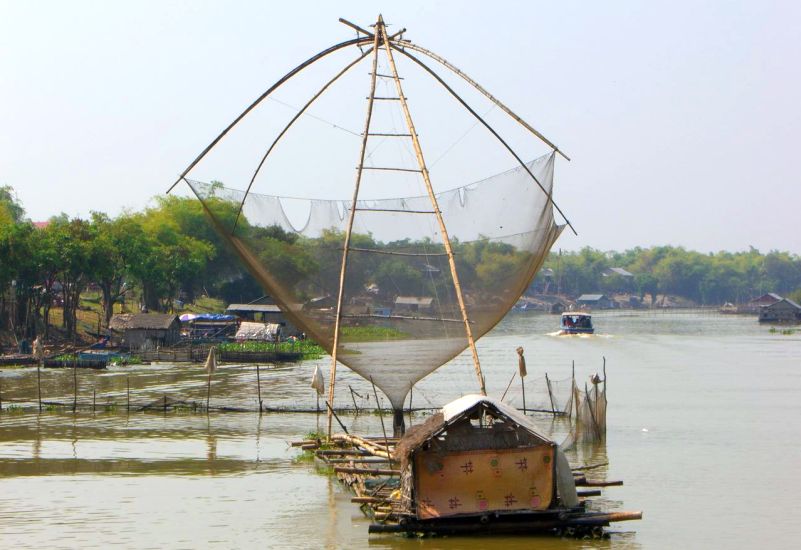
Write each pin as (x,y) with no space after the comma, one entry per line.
(595,301)
(144,330)
(785,311)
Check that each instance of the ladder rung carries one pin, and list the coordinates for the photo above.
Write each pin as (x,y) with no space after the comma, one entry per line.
(377,98)
(391,169)
(395,210)
(390,135)
(386,76)
(393,253)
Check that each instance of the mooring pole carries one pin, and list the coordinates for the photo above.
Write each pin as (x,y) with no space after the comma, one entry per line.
(128,394)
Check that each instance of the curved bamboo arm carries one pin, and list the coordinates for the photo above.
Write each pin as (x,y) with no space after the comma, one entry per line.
(271,89)
(477,86)
(478,117)
(289,125)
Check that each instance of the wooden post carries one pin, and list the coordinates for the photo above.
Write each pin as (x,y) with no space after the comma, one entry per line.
(381,30)
(208,393)
(1,395)
(521,366)
(94,398)
(258,384)
(128,394)
(348,232)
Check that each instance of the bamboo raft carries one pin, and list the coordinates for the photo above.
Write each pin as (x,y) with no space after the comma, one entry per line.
(366,466)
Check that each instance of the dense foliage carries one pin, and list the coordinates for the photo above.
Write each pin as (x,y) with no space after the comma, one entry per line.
(707,279)
(170,252)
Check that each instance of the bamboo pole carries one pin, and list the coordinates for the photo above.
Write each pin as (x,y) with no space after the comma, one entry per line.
(290,124)
(380,415)
(262,97)
(381,29)
(488,127)
(550,393)
(128,394)
(477,86)
(509,385)
(1,395)
(94,398)
(349,231)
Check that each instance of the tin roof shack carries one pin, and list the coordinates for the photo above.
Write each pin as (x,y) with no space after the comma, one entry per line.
(595,301)
(480,461)
(144,330)
(266,313)
(413,304)
(755,305)
(785,311)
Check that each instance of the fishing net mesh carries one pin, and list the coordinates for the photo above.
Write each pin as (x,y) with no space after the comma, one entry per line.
(400,317)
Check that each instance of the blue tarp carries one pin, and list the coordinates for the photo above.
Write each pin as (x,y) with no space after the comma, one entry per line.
(186,317)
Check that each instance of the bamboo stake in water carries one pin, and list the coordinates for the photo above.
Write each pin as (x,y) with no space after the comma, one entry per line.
(380,415)
(94,399)
(75,383)
(1,394)
(353,397)
(128,394)
(39,382)
(258,384)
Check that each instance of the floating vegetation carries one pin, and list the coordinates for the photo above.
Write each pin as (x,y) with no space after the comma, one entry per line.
(307,348)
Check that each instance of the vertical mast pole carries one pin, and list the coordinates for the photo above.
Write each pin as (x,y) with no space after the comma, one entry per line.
(381,29)
(343,268)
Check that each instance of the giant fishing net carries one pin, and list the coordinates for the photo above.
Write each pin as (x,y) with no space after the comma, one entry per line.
(400,317)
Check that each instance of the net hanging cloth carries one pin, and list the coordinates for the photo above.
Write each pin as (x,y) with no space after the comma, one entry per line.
(400,315)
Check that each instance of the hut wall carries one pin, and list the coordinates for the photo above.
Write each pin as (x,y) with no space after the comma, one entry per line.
(483,481)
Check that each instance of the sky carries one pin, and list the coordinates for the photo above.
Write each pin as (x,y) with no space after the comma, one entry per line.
(682,119)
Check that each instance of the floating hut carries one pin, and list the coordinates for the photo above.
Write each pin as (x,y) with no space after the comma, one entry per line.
(476,466)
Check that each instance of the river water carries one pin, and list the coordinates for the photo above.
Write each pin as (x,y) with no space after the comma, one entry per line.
(704,427)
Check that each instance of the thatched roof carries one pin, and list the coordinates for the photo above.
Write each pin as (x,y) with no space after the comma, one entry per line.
(146,321)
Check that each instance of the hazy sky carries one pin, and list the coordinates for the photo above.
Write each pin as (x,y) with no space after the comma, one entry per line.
(683,119)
